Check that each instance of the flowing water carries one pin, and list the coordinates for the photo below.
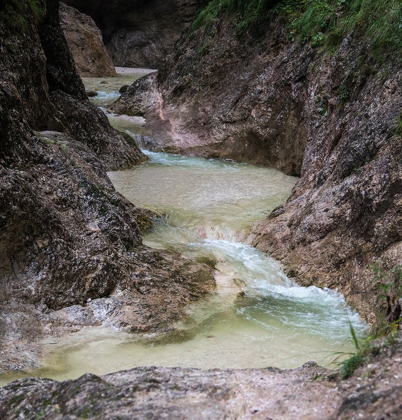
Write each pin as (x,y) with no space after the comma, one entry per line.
(107,89)
(209,208)
(256,318)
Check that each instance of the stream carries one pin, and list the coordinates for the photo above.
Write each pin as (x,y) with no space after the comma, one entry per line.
(256,318)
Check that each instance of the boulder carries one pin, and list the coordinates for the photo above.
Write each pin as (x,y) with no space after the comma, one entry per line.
(91,93)
(86,44)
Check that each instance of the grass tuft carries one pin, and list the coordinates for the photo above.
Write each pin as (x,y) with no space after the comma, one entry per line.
(247,11)
(349,366)
(328,22)
(322,22)
(389,286)
(353,360)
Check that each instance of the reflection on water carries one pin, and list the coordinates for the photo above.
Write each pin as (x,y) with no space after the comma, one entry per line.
(256,318)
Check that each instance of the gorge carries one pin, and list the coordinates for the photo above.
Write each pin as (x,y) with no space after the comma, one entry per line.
(184,277)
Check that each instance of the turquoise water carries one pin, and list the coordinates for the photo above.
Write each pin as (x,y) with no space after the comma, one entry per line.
(256,317)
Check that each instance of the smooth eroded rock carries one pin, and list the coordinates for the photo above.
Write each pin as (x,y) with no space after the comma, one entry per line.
(86,44)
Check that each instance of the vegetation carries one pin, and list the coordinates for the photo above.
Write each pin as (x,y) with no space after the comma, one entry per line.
(356,359)
(15,13)
(383,330)
(247,11)
(399,126)
(343,93)
(389,285)
(39,9)
(379,20)
(322,22)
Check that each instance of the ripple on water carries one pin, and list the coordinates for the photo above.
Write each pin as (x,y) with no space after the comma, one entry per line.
(209,207)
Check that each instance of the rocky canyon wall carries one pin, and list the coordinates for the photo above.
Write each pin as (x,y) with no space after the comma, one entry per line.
(85,43)
(330,118)
(68,240)
(140,33)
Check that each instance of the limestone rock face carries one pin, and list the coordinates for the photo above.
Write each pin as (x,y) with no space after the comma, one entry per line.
(177,393)
(330,119)
(140,33)
(309,392)
(66,236)
(86,44)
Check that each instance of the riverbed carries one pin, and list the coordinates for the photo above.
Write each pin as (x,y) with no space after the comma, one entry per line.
(257,316)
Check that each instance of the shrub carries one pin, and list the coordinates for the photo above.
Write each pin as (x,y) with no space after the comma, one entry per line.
(389,286)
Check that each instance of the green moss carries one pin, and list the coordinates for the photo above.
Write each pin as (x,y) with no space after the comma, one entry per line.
(130,140)
(16,399)
(144,222)
(399,126)
(85,413)
(16,16)
(39,10)
(343,94)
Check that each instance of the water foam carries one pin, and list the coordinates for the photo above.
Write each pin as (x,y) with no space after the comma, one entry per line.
(272,322)
(170,159)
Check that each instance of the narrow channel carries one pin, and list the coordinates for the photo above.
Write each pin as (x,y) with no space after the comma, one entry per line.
(256,318)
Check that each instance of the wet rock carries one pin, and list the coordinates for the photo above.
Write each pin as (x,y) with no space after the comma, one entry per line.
(277,103)
(66,235)
(309,392)
(124,89)
(91,93)
(75,315)
(251,118)
(86,44)
(173,393)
